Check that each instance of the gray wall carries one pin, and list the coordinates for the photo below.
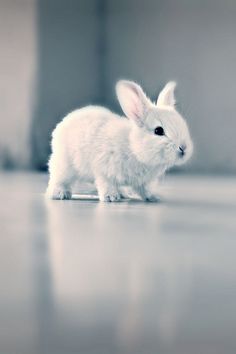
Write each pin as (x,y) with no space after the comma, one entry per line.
(69,58)
(81,47)
(17,74)
(193,42)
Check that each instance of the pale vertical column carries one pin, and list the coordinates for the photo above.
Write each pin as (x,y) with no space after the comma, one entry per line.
(17,73)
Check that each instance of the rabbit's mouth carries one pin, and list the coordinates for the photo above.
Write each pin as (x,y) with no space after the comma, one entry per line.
(183,154)
(182,150)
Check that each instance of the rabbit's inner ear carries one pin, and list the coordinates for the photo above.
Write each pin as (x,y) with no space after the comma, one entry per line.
(133,100)
(167,95)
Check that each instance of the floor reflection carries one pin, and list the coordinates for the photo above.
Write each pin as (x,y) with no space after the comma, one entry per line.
(114,271)
(42,280)
(87,277)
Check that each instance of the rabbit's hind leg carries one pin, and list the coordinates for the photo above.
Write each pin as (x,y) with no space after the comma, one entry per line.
(62,175)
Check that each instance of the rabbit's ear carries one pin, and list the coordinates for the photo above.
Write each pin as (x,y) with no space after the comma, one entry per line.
(133,100)
(167,95)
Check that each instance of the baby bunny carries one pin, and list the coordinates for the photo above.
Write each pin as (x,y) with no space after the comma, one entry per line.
(96,145)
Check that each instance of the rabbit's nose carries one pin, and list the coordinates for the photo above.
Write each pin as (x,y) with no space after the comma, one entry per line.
(182,149)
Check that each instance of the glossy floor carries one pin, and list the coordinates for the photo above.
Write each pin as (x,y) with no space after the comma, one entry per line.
(138,278)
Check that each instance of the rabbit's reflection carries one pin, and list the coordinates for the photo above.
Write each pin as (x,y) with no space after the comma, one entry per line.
(114,269)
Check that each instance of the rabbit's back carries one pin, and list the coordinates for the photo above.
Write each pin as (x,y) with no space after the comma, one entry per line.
(88,136)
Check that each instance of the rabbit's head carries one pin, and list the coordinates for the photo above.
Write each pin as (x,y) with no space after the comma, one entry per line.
(159,134)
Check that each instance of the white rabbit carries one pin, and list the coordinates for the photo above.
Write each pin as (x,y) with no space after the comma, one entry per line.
(96,145)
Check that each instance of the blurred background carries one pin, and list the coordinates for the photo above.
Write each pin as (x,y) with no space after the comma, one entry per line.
(59,55)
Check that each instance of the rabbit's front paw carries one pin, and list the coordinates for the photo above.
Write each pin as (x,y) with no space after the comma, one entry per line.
(145,194)
(64,195)
(111,197)
(59,194)
(107,190)
(152,199)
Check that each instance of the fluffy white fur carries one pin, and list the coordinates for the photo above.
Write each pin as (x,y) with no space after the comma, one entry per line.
(96,145)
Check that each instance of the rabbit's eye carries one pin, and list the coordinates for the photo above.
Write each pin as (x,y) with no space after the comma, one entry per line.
(159,131)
